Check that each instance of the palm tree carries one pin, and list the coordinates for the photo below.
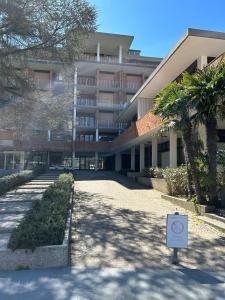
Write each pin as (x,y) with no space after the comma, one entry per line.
(172,105)
(206,91)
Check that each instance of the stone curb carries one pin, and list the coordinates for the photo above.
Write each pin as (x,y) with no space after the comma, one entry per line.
(41,257)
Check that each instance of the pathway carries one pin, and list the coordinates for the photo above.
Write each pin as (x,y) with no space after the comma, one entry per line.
(15,203)
(119,223)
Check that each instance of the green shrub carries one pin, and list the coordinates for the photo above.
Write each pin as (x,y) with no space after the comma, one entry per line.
(176,179)
(45,223)
(11,181)
(153,172)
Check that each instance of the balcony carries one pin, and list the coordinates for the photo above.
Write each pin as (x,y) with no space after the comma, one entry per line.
(86,103)
(110,106)
(132,86)
(86,81)
(87,124)
(107,59)
(106,124)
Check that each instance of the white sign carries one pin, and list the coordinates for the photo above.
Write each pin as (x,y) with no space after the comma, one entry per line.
(177,231)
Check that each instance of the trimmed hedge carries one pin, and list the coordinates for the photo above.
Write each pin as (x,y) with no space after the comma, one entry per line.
(9,182)
(45,223)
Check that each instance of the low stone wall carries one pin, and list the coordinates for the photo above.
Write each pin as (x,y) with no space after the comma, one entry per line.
(189,205)
(159,184)
(145,181)
(133,175)
(41,257)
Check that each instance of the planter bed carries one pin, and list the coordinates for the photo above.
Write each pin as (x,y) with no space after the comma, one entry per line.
(182,202)
(41,257)
(158,184)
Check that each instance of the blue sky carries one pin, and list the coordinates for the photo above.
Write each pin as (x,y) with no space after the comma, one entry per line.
(158,24)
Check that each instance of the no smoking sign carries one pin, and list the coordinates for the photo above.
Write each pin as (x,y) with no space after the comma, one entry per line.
(177,231)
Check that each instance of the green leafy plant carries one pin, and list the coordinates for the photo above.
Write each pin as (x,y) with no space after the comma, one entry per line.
(176,179)
(45,223)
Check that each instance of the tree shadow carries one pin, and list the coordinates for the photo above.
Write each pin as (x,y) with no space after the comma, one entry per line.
(106,236)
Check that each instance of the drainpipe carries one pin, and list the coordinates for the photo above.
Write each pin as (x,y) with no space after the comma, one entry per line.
(74,114)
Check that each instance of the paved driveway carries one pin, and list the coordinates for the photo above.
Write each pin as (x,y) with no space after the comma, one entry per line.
(119,223)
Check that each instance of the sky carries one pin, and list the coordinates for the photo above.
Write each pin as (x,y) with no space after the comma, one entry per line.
(157,25)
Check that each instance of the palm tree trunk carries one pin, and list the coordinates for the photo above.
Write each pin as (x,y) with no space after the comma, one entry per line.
(187,141)
(211,141)
(189,175)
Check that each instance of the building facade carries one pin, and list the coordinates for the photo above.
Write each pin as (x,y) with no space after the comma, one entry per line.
(115,90)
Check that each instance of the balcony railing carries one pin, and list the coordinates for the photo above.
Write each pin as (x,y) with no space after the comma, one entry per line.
(108,59)
(86,81)
(132,86)
(106,124)
(85,124)
(81,102)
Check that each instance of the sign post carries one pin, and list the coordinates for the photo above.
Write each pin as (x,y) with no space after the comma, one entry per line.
(176,234)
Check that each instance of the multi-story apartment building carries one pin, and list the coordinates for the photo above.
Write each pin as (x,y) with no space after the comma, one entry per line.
(109,73)
(116,86)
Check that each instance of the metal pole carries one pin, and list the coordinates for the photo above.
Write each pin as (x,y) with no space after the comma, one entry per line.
(175,260)
(74,114)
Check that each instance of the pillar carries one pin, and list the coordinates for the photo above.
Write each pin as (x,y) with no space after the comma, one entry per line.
(132,163)
(96,161)
(98,52)
(22,160)
(142,157)
(173,148)
(97,135)
(4,161)
(49,135)
(154,152)
(202,61)
(120,54)
(118,162)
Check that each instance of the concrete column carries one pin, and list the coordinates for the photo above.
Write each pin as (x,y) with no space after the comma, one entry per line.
(118,162)
(49,135)
(142,157)
(132,163)
(173,148)
(96,161)
(13,162)
(154,152)
(98,52)
(97,134)
(202,62)
(120,54)
(4,161)
(22,160)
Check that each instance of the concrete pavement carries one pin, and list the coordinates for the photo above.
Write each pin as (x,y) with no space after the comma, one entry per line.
(112,284)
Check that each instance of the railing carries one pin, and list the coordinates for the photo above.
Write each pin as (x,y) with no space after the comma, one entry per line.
(87,81)
(86,124)
(111,125)
(109,84)
(103,59)
(133,86)
(81,102)
(108,105)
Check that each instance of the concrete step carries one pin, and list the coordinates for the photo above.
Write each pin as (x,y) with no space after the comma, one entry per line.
(15,208)
(9,221)
(39,183)
(219,225)
(13,197)
(26,191)
(215,217)
(34,186)
(4,239)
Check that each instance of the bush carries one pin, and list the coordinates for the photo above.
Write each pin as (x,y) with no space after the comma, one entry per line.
(45,223)
(153,172)
(176,179)
(9,182)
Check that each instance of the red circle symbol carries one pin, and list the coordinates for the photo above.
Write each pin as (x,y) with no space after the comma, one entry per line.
(177,227)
